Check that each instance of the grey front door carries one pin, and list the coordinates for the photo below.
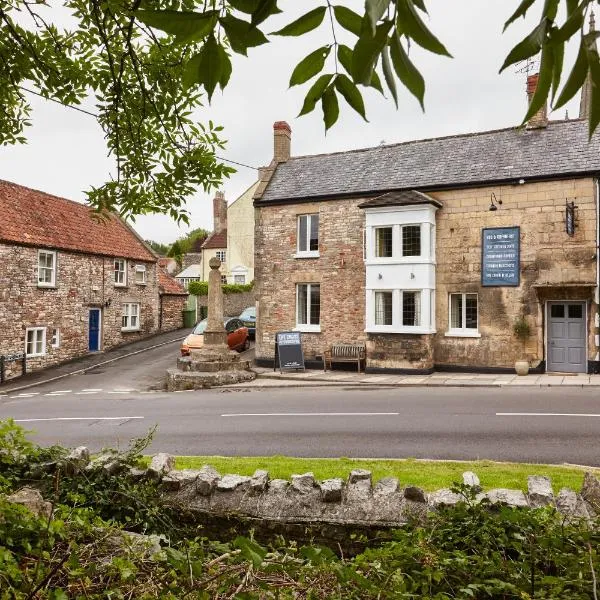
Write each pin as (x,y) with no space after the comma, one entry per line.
(566,337)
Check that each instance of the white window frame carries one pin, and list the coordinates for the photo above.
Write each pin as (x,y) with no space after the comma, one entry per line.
(140,269)
(401,244)
(379,325)
(307,327)
(221,255)
(127,314)
(238,277)
(462,331)
(307,253)
(36,341)
(123,271)
(52,282)
(55,338)
(419,325)
(394,243)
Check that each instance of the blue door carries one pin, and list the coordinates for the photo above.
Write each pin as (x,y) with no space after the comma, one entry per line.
(94,330)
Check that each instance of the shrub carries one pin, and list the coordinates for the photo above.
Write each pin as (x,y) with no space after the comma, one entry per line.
(200,288)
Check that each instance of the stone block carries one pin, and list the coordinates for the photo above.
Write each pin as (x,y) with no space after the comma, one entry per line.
(160,465)
(386,486)
(514,498)
(259,481)
(590,491)
(228,483)
(331,489)
(303,484)
(471,479)
(278,485)
(539,491)
(207,480)
(175,480)
(444,497)
(359,475)
(33,500)
(76,460)
(415,494)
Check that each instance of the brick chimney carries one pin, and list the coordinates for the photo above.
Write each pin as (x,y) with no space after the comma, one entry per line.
(282,141)
(540,119)
(219,212)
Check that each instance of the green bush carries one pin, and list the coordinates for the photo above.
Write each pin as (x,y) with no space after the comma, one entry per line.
(200,288)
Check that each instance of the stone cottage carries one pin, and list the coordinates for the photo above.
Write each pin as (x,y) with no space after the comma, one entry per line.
(71,283)
(429,252)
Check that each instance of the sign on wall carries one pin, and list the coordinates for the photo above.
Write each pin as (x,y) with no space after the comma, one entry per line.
(500,256)
(288,351)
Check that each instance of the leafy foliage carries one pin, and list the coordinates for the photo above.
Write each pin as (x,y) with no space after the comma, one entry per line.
(200,288)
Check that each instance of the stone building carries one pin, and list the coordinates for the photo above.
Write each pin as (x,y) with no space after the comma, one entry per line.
(429,252)
(71,283)
(215,244)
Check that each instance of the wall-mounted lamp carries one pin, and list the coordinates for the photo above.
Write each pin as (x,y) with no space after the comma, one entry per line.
(380,276)
(521,181)
(570,221)
(107,303)
(494,200)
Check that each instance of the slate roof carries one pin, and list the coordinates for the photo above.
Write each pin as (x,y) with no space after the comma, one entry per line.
(407,198)
(504,155)
(33,218)
(190,272)
(216,240)
(167,286)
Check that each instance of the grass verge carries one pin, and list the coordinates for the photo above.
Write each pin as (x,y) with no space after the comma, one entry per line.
(429,475)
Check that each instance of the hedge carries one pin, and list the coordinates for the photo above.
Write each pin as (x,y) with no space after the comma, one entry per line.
(200,288)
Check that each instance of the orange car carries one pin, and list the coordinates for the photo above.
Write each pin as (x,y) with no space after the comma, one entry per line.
(237,336)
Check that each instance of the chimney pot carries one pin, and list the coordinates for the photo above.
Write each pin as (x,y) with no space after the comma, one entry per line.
(282,141)
(219,212)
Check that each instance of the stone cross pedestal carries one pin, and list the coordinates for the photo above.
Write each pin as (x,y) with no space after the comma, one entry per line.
(214,363)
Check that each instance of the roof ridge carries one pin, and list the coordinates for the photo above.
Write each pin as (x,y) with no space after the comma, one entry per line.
(431,139)
(26,187)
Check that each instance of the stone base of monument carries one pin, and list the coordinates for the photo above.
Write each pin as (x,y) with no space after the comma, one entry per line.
(208,368)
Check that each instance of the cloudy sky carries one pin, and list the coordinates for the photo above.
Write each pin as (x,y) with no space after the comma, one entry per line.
(65,154)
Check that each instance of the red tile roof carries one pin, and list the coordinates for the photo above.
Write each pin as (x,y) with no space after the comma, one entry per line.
(33,218)
(216,240)
(168,286)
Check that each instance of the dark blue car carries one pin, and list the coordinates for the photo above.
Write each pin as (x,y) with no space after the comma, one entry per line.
(248,317)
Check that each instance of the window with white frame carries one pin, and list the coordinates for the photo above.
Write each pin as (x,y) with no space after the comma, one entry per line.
(384,308)
(46,268)
(241,279)
(222,255)
(411,308)
(308,234)
(131,317)
(120,272)
(411,240)
(463,317)
(308,306)
(140,274)
(384,244)
(35,341)
(55,339)
(223,278)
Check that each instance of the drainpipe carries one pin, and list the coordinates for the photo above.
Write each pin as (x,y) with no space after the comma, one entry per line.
(597,291)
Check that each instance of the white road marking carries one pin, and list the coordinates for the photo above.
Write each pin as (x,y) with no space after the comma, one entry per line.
(336,414)
(547,415)
(118,392)
(123,390)
(27,394)
(76,419)
(84,393)
(91,390)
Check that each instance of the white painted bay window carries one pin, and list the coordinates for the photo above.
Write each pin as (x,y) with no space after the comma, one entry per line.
(384,308)
(120,272)
(308,236)
(308,307)
(411,308)
(463,316)
(35,341)
(46,268)
(384,242)
(130,317)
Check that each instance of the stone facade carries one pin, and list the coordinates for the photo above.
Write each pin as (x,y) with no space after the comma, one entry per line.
(553,266)
(233,304)
(83,282)
(172,312)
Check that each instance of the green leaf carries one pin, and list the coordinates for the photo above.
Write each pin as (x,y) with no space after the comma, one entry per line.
(266,9)
(572,25)
(250,550)
(576,77)
(389,74)
(315,93)
(411,24)
(206,67)
(331,108)
(367,51)
(407,72)
(348,19)
(527,47)
(520,12)
(245,6)
(311,65)
(241,34)
(318,555)
(307,22)
(375,9)
(186,26)
(550,9)
(226,68)
(352,95)
(559,56)
(594,63)
(544,82)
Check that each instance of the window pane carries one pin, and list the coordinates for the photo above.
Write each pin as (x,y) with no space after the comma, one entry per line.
(557,311)
(314,232)
(30,342)
(456,311)
(411,240)
(575,311)
(302,230)
(315,304)
(383,308)
(302,304)
(410,309)
(383,242)
(471,311)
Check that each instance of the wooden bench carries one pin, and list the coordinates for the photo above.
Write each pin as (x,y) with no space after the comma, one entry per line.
(344,353)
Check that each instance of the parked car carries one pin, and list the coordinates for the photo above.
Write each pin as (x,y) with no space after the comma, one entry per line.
(237,336)
(248,317)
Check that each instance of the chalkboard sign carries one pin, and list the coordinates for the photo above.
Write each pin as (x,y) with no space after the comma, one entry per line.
(500,256)
(288,351)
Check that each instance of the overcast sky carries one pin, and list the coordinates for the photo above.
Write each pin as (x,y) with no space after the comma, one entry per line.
(65,154)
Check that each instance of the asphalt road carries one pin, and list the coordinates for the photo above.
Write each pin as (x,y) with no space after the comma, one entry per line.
(551,425)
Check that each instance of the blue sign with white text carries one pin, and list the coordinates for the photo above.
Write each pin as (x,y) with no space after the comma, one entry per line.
(500,256)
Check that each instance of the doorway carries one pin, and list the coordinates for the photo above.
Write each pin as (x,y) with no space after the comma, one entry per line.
(94,330)
(567,337)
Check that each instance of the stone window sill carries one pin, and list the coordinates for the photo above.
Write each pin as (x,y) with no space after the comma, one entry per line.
(464,333)
(308,328)
(47,286)
(410,330)
(129,329)
(311,254)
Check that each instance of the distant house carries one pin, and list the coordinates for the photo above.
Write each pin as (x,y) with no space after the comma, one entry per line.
(71,283)
(168,264)
(192,273)
(216,243)
(173,298)
(240,238)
